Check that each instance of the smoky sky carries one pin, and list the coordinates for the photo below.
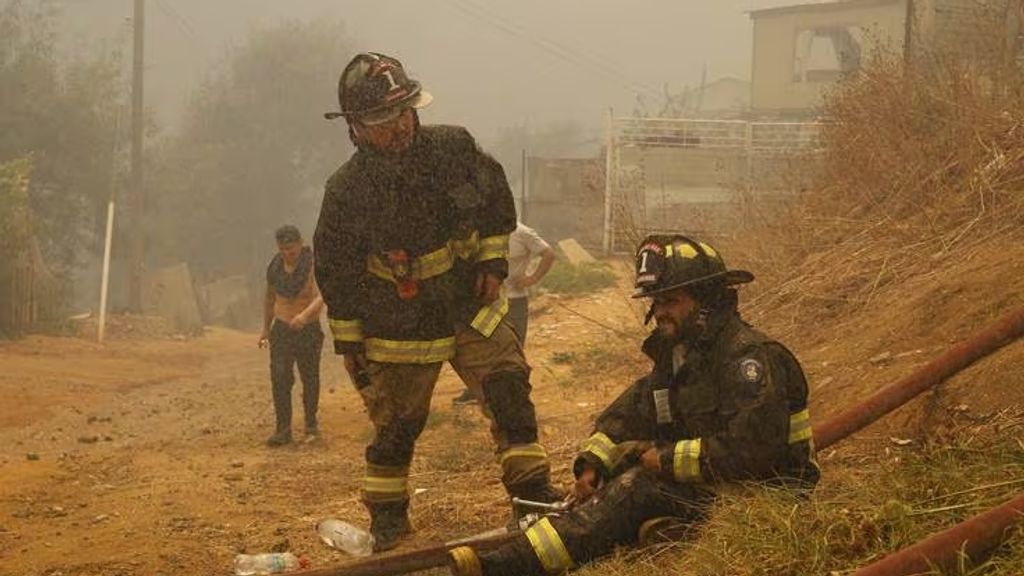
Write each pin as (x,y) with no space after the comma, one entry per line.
(489,64)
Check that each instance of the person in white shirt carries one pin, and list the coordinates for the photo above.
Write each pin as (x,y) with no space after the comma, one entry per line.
(524,245)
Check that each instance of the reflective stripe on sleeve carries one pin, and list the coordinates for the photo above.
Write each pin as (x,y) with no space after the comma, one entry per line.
(600,446)
(487,319)
(346,330)
(686,461)
(800,426)
(493,247)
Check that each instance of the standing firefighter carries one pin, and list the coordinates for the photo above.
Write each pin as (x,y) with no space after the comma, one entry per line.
(411,252)
(724,404)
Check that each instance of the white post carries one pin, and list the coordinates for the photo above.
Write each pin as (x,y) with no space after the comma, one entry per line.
(608,180)
(105,281)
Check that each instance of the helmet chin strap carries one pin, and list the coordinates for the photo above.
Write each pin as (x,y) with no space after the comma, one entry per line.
(694,325)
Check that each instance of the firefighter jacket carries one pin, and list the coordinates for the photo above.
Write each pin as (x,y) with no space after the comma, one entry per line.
(731,407)
(400,240)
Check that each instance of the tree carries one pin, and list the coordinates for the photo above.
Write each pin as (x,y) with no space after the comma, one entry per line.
(253,151)
(61,114)
(14,178)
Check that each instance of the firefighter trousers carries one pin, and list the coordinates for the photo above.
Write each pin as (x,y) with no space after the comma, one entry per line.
(398,401)
(593,529)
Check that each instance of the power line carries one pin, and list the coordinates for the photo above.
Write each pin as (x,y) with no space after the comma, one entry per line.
(559,50)
(182,23)
(565,52)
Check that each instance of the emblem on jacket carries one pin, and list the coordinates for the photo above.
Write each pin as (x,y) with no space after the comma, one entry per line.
(751,370)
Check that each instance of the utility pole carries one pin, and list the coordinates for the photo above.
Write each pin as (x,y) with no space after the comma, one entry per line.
(137,245)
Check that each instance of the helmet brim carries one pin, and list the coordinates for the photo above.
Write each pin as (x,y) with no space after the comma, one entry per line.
(730,278)
(421,99)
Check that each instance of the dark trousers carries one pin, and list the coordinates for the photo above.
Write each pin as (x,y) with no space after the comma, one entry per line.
(288,348)
(594,528)
(519,316)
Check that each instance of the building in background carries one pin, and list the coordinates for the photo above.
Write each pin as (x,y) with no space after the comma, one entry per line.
(801,51)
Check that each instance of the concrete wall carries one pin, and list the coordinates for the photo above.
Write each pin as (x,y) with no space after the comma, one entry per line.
(565,199)
(168,293)
(776,84)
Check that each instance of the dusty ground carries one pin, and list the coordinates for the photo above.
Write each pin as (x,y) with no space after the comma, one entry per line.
(146,456)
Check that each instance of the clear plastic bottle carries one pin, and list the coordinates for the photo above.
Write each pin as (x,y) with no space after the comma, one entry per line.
(343,536)
(271,563)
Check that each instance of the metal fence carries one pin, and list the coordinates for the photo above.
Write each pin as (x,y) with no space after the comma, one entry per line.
(757,137)
(698,158)
(27,292)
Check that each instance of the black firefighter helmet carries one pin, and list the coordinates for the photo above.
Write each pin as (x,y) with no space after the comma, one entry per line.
(374,89)
(668,261)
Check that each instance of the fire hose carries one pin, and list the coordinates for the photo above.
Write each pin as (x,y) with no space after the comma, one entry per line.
(975,537)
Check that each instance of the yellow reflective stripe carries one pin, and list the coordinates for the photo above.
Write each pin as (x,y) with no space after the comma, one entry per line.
(487,319)
(800,426)
(548,546)
(385,485)
(434,264)
(465,562)
(377,268)
(686,460)
(601,446)
(427,266)
(493,247)
(523,451)
(410,351)
(346,330)
(465,249)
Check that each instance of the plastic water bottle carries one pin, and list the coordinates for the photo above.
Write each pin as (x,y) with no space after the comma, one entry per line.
(343,536)
(273,563)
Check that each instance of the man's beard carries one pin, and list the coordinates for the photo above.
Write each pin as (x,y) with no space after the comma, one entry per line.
(683,330)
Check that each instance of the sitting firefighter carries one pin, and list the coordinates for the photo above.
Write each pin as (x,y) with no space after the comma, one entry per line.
(723,405)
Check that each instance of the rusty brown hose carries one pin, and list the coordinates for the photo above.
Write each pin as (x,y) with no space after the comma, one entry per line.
(960,356)
(975,537)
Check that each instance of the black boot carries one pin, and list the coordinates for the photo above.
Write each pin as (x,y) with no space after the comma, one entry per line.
(389,523)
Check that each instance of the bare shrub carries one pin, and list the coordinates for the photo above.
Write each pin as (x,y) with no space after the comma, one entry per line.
(922,159)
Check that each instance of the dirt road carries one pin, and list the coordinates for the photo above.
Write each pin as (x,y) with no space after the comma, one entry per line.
(147,456)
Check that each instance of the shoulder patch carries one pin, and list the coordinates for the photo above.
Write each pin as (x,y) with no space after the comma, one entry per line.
(751,370)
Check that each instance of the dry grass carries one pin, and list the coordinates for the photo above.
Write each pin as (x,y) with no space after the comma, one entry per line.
(919,164)
(921,176)
(867,508)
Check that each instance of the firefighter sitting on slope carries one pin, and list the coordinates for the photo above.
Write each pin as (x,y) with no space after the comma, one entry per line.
(724,404)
